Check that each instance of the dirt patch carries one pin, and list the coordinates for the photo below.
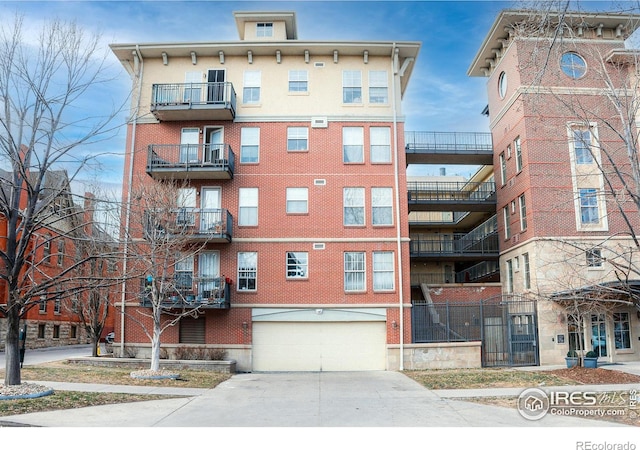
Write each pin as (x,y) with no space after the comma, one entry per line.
(596,376)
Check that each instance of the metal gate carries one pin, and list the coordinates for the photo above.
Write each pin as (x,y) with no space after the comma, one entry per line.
(507,326)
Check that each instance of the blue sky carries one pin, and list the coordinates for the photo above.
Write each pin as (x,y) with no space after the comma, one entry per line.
(441,97)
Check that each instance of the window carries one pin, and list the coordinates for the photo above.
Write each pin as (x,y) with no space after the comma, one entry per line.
(264,30)
(56,331)
(351,86)
(594,257)
(621,331)
(247,271)
(509,151)
(503,169)
(383,273)
(354,266)
(576,333)
(73,332)
(382,206)
(297,200)
(251,90)
(589,206)
(527,271)
(502,84)
(41,329)
(75,303)
(509,276)
(353,145)
(43,304)
(353,201)
(249,145)
(297,265)
(523,213)
(380,141)
(298,81)
(378,86)
(582,146)
(248,206)
(46,249)
(518,148)
(297,139)
(184,273)
(186,203)
(573,65)
(60,253)
(507,223)
(56,306)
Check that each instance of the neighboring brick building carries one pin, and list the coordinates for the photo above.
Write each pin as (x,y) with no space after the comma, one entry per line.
(296,147)
(559,220)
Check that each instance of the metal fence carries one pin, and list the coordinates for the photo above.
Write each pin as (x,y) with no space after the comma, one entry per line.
(506,326)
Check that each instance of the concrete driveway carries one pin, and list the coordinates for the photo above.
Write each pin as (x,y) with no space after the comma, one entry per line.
(300,399)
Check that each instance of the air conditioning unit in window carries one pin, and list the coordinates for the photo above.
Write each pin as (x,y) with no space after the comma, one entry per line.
(319,122)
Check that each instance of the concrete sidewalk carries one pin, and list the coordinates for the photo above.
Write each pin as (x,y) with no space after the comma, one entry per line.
(303,399)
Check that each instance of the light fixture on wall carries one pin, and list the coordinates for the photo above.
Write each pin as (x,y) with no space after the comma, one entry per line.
(194,61)
(245,326)
(278,56)
(221,55)
(366,56)
(394,325)
(165,58)
(250,57)
(306,56)
(335,56)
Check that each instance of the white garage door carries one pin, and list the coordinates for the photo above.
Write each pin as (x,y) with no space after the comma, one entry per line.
(319,346)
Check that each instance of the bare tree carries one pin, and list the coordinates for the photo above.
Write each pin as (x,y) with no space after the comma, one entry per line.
(164,258)
(47,122)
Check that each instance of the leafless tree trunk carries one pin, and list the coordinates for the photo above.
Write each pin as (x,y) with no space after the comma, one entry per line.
(46,129)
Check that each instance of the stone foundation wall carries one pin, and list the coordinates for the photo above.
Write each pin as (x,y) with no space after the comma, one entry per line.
(439,355)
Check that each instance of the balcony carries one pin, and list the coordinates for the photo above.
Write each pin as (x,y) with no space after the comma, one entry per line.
(430,147)
(203,293)
(193,101)
(451,196)
(191,161)
(454,246)
(190,224)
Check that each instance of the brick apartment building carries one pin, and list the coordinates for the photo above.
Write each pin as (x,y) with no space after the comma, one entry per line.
(332,259)
(297,147)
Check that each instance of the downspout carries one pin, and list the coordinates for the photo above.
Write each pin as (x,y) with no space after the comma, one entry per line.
(127,225)
(394,70)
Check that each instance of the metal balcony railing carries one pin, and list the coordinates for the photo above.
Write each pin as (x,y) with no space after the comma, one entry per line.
(177,101)
(455,244)
(190,224)
(198,292)
(192,160)
(448,142)
(451,195)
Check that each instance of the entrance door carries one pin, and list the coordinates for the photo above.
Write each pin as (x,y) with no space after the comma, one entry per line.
(189,139)
(599,334)
(523,339)
(210,213)
(215,92)
(214,144)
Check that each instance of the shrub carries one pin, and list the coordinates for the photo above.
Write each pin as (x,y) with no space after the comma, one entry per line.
(572,354)
(216,354)
(591,354)
(181,352)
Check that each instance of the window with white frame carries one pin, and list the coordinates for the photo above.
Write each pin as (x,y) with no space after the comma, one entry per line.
(250,145)
(378,86)
(297,265)
(380,141)
(353,206)
(248,206)
(527,271)
(594,257)
(43,304)
(352,86)
(582,145)
(61,252)
(589,206)
(264,29)
(297,139)
(507,222)
(509,277)
(621,330)
(184,272)
(297,200)
(46,249)
(354,271)
(57,305)
(523,213)
(383,271)
(518,147)
(382,206)
(298,81)
(503,169)
(251,87)
(247,271)
(186,203)
(353,145)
